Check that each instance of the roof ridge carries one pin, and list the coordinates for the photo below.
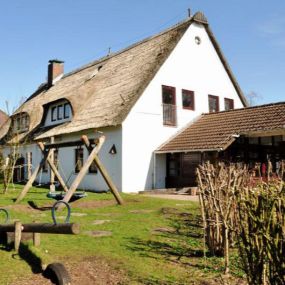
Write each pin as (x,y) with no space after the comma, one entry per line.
(245,108)
(106,57)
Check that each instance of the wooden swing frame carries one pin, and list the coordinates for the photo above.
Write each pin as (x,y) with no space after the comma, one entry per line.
(93,156)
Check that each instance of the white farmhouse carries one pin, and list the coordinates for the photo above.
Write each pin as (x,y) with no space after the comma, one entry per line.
(138,97)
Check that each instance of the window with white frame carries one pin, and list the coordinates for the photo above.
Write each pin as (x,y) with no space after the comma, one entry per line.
(59,113)
(20,122)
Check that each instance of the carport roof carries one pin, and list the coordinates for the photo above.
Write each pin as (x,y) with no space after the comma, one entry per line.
(217,131)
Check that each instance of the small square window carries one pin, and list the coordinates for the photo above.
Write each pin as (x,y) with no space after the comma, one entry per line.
(229,104)
(188,99)
(53,113)
(213,103)
(60,112)
(66,111)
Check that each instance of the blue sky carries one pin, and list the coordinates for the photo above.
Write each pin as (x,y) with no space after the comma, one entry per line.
(251,34)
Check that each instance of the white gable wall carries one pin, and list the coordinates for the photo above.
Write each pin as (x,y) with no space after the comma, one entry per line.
(190,66)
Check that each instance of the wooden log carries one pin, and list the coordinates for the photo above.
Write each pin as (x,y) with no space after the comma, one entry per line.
(82,172)
(104,173)
(33,178)
(53,168)
(67,229)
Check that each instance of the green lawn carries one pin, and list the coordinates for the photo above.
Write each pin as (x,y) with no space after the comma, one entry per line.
(155,241)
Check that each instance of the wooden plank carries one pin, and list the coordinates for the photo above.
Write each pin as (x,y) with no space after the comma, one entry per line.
(82,172)
(33,178)
(45,228)
(104,173)
(53,168)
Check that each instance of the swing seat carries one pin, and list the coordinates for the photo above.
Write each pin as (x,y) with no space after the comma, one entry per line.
(60,196)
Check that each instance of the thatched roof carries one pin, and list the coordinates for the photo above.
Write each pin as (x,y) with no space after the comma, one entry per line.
(103,92)
(217,131)
(3,117)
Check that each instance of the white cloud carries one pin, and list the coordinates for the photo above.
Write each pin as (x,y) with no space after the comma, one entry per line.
(273,30)
(273,27)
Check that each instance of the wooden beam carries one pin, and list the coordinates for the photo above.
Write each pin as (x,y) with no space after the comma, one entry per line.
(82,172)
(53,168)
(104,173)
(63,144)
(33,178)
(44,228)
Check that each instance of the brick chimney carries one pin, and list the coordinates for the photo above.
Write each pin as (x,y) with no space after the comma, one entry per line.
(55,71)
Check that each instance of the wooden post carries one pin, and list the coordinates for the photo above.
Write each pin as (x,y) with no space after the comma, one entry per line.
(18,235)
(33,178)
(29,165)
(104,172)
(52,187)
(82,172)
(36,239)
(53,168)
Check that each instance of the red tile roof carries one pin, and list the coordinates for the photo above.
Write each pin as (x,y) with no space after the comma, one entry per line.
(216,131)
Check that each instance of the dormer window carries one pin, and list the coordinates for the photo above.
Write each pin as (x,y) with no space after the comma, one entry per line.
(20,123)
(58,113)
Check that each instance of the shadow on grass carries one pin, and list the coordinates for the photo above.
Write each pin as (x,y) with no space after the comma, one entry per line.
(32,260)
(24,253)
(183,238)
(36,207)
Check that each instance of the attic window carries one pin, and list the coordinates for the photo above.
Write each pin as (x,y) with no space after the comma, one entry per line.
(60,112)
(21,122)
(229,104)
(197,40)
(213,103)
(188,99)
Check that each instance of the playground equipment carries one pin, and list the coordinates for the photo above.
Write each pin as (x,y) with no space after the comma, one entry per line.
(93,156)
(54,271)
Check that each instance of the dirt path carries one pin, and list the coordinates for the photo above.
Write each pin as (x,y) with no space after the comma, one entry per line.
(89,271)
(174,197)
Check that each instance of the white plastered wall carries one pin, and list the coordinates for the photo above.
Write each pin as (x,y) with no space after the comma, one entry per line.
(190,66)
(66,158)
